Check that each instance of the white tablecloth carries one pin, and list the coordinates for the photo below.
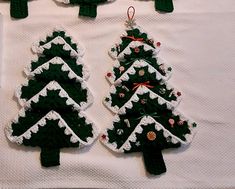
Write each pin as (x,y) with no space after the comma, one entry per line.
(197,39)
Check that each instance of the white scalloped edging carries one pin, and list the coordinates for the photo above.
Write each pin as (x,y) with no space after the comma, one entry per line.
(138,129)
(53,85)
(138,64)
(57,60)
(52,115)
(141,90)
(65,67)
(114,54)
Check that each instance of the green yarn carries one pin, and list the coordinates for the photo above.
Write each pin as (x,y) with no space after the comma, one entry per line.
(61,34)
(19,8)
(158,86)
(51,117)
(55,73)
(71,62)
(89,10)
(87,7)
(164,5)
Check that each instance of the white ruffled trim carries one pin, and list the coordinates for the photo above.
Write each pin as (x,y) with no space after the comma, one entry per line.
(138,64)
(52,115)
(132,71)
(65,67)
(133,44)
(146,120)
(53,85)
(63,1)
(36,48)
(152,95)
(141,90)
(57,60)
(114,54)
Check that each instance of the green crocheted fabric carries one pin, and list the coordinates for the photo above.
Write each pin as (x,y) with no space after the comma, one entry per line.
(141,54)
(136,35)
(19,8)
(146,119)
(88,8)
(51,136)
(125,90)
(52,101)
(71,62)
(55,73)
(59,33)
(164,5)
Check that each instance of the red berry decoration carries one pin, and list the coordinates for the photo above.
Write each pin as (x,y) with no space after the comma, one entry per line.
(109,74)
(103,137)
(158,44)
(137,50)
(178,93)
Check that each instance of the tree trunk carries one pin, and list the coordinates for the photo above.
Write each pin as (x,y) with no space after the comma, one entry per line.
(50,157)
(19,8)
(153,159)
(89,10)
(164,5)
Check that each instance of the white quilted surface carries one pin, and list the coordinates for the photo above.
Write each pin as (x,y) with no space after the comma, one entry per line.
(197,39)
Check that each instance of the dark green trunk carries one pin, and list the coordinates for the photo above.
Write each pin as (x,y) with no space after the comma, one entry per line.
(153,159)
(89,10)
(164,5)
(50,157)
(19,8)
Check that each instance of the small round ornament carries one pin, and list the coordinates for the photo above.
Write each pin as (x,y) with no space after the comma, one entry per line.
(171,121)
(109,74)
(158,44)
(178,93)
(141,73)
(162,91)
(151,135)
(151,41)
(137,50)
(143,101)
(121,95)
(121,68)
(181,122)
(120,131)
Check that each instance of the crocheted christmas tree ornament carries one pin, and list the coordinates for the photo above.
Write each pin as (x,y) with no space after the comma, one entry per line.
(164,5)
(145,104)
(52,100)
(19,8)
(88,8)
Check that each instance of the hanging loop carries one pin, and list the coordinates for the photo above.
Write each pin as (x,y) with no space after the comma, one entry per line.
(131,13)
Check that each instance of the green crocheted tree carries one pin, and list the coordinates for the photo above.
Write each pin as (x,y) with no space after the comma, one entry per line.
(145,104)
(19,8)
(52,100)
(87,7)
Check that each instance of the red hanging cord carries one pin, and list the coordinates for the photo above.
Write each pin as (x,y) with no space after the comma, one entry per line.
(131,12)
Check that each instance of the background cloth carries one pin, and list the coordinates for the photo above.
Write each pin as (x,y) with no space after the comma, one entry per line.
(197,40)
(1,43)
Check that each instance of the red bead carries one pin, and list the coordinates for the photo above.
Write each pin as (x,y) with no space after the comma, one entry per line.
(103,137)
(109,74)
(158,44)
(137,50)
(178,93)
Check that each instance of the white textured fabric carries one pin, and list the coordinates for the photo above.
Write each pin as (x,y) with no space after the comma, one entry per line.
(197,40)
(1,43)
